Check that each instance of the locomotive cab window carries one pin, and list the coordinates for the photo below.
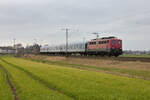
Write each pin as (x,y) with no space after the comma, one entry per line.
(119,42)
(114,41)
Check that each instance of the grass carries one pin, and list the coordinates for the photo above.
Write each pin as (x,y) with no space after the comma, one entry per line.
(30,89)
(82,84)
(5,91)
(136,55)
(143,74)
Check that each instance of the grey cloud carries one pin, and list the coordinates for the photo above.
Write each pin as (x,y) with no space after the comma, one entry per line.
(27,19)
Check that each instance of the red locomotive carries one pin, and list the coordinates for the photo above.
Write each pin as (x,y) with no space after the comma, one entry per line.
(110,46)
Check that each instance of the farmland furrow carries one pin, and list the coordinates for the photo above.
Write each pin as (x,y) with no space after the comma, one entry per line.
(43,82)
(13,90)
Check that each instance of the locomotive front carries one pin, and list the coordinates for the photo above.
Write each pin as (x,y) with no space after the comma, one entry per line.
(110,46)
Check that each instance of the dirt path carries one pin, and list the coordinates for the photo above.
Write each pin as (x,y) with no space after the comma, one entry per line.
(43,82)
(13,90)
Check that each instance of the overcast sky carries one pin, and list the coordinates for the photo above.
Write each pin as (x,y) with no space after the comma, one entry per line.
(43,20)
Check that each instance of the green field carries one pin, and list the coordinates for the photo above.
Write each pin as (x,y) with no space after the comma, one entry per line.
(31,89)
(39,81)
(136,55)
(5,91)
(142,72)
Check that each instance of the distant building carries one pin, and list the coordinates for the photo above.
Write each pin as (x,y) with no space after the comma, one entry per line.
(32,49)
(149,52)
(7,50)
(17,46)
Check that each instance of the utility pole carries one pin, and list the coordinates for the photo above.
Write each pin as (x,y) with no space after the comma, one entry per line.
(15,47)
(14,42)
(84,40)
(67,30)
(34,41)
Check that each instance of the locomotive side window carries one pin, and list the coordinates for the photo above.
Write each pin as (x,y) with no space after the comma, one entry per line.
(103,42)
(92,43)
(114,41)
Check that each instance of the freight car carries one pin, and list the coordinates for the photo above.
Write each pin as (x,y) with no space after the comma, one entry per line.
(110,46)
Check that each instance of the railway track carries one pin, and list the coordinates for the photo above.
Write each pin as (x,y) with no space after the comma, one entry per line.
(142,59)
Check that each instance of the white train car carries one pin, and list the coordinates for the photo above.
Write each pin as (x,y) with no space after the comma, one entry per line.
(61,49)
(78,47)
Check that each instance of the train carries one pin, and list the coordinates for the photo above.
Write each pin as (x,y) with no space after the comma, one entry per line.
(105,46)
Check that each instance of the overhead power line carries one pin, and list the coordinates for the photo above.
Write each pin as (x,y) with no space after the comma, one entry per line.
(97,34)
